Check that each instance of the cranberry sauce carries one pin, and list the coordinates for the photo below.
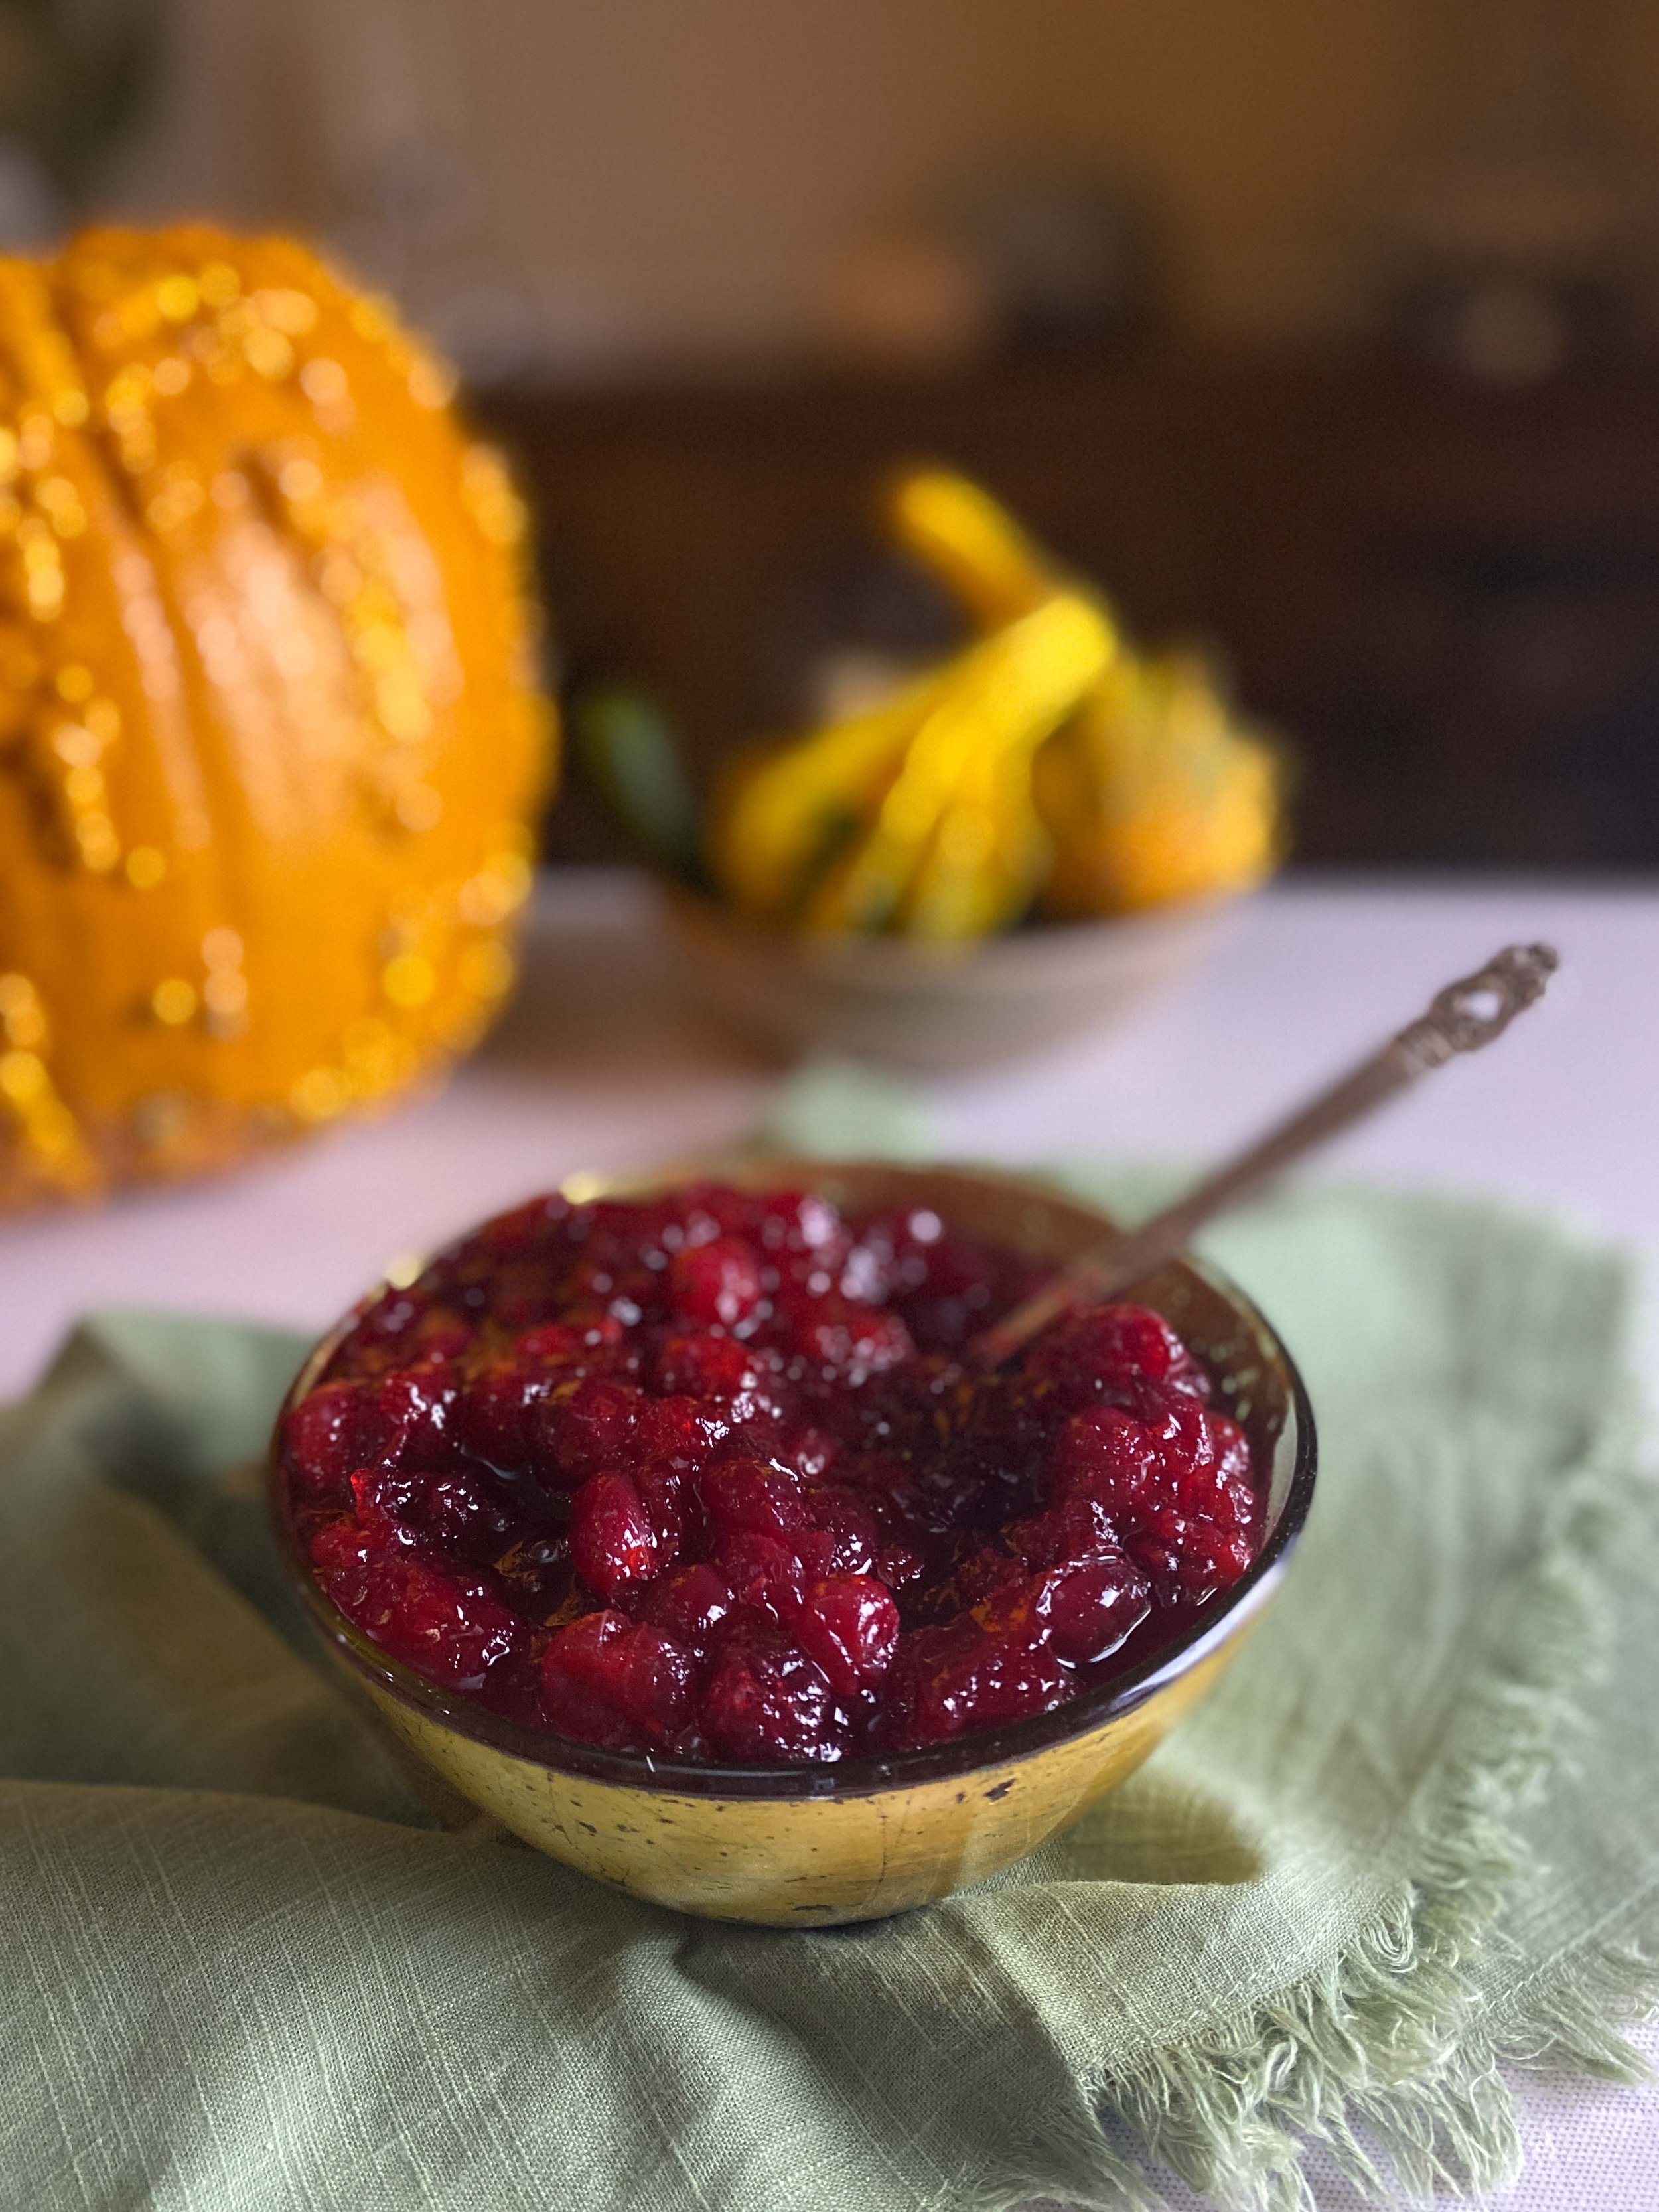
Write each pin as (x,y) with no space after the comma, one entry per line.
(701,1477)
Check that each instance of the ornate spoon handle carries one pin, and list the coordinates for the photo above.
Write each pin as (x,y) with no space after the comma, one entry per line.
(1462,1017)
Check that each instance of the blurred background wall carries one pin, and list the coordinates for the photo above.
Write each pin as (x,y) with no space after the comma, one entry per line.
(1323,333)
(661,176)
(679,177)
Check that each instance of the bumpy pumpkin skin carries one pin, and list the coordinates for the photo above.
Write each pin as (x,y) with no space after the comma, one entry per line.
(270,737)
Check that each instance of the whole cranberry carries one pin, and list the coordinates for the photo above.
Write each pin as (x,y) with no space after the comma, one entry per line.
(679,1432)
(804,1236)
(707,1366)
(452,1629)
(417,1406)
(740,1493)
(765,1700)
(1186,1560)
(845,1339)
(763,1573)
(611,1680)
(344,1554)
(575,1342)
(1082,1528)
(722,1282)
(844,1537)
(333,1432)
(564,1703)
(892,1253)
(612,1542)
(850,1625)
(944,1681)
(1096,1352)
(1174,1490)
(583,1427)
(1110,1457)
(1090,1607)
(495,1418)
(689,1602)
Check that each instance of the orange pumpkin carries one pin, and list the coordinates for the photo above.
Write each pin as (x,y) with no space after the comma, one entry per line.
(271,743)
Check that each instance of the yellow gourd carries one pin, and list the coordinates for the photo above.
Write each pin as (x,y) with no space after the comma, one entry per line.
(1153,790)
(917,817)
(271,741)
(1156,792)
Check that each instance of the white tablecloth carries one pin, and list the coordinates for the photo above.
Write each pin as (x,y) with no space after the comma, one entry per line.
(599,1064)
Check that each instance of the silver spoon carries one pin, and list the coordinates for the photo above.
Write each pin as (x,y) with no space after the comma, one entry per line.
(1462,1017)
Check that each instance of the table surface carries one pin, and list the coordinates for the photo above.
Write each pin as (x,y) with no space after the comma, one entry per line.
(601,1064)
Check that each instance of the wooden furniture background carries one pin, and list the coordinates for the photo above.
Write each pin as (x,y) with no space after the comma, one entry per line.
(1446,596)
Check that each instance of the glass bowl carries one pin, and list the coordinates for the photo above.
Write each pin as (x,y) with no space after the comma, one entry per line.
(812,1845)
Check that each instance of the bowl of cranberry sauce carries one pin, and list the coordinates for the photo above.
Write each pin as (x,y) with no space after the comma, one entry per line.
(676,1527)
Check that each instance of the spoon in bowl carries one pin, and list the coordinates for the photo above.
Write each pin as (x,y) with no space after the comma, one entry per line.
(1465,1016)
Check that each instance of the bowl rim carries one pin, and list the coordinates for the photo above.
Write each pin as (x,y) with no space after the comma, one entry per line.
(959,1757)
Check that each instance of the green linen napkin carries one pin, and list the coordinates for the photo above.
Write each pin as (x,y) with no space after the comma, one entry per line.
(1413,1837)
